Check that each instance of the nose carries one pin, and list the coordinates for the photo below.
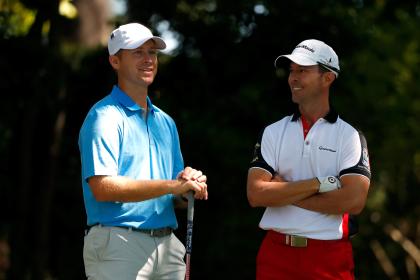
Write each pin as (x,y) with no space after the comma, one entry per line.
(149,56)
(292,77)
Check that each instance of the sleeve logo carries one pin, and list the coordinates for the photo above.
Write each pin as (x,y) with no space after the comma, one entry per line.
(365,158)
(256,152)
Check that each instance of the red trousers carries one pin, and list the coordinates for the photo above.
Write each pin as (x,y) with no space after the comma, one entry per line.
(331,259)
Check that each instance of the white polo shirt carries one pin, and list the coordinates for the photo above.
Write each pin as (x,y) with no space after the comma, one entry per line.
(332,147)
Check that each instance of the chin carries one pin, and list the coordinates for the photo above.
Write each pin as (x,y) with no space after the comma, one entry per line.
(149,81)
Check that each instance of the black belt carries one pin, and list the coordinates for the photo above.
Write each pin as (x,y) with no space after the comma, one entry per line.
(157,232)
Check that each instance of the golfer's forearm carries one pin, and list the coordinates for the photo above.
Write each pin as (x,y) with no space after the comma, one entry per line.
(334,202)
(350,198)
(124,189)
(275,194)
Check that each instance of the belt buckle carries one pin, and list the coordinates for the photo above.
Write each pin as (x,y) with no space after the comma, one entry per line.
(298,241)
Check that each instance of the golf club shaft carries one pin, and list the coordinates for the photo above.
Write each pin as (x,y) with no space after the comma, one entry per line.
(190,219)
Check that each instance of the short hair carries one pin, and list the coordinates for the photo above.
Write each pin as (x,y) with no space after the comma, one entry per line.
(324,69)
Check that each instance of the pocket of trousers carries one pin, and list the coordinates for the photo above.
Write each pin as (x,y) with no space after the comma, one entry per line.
(96,243)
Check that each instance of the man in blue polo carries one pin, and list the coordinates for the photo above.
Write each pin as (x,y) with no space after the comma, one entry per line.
(132,170)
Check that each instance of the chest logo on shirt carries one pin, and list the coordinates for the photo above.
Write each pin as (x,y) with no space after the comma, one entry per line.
(326,149)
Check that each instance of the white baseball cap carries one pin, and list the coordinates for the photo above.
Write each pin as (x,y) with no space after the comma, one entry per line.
(314,52)
(131,36)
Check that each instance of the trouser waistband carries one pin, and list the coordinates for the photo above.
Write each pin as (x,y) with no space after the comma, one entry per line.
(297,241)
(157,232)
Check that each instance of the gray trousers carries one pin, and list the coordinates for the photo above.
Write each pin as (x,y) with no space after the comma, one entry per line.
(119,253)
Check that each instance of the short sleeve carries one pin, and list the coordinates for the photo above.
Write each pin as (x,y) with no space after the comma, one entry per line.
(99,142)
(263,153)
(355,156)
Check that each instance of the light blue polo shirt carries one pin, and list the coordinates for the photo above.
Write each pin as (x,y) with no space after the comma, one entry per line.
(117,139)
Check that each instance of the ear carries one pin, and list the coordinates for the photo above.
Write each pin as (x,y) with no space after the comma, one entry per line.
(114,61)
(329,77)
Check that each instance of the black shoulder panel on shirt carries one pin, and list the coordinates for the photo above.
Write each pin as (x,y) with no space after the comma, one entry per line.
(363,166)
(257,158)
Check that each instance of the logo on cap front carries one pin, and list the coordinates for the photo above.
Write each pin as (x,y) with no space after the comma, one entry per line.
(306,48)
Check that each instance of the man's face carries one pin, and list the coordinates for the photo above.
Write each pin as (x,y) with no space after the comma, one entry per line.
(139,65)
(305,82)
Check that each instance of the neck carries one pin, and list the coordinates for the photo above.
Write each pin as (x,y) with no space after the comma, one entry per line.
(313,112)
(138,94)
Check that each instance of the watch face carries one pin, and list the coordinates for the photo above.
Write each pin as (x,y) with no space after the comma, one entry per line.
(331,179)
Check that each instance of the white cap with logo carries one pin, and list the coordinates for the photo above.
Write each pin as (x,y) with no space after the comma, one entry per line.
(131,36)
(314,52)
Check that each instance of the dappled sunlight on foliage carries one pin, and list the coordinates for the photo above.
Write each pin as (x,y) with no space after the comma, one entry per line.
(15,18)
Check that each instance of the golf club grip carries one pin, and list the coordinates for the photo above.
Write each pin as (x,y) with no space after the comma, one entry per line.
(190,219)
(188,245)
(190,211)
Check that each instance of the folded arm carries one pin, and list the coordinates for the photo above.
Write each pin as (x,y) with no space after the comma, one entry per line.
(264,190)
(350,198)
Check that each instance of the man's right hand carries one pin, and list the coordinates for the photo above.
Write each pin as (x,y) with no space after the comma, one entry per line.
(192,180)
(328,183)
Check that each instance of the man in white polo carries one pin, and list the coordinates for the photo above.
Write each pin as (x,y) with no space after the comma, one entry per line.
(311,171)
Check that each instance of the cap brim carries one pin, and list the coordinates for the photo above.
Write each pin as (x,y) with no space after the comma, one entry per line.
(160,44)
(298,59)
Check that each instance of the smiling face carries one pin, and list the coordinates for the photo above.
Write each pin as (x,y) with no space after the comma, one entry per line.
(307,83)
(136,67)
